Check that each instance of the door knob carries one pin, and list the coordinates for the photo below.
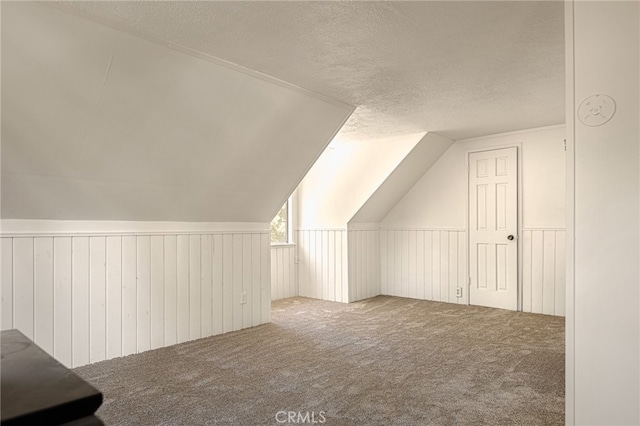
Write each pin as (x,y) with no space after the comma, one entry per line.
(510,237)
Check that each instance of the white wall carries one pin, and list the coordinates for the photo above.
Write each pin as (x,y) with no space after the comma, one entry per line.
(603,310)
(335,188)
(364,262)
(345,176)
(423,264)
(412,167)
(323,264)
(424,235)
(284,271)
(93,295)
(101,124)
(437,200)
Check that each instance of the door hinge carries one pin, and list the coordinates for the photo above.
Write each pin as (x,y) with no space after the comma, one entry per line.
(565,144)
(469,282)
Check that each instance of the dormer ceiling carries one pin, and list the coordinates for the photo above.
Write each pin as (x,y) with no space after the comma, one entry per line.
(461,69)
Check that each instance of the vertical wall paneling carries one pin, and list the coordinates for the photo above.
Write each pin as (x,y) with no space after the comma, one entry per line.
(428,265)
(228,284)
(183,289)
(143,293)
(397,260)
(256,283)
(313,262)
(90,297)
(195,320)
(237,281)
(436,265)
(43,293)
(526,272)
(345,269)
(98,299)
(157,281)
(537,271)
(6,295)
(276,291)
(129,295)
(462,268)
(444,266)
(113,259)
(62,301)
(384,271)
(322,269)
(440,266)
(81,302)
(353,271)
(321,261)
(548,272)
(247,307)
(454,282)
(216,294)
(413,265)
(206,286)
(404,262)
(24,292)
(543,271)
(420,265)
(265,282)
(560,273)
(170,289)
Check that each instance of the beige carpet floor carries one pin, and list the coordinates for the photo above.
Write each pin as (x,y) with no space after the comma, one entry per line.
(382,361)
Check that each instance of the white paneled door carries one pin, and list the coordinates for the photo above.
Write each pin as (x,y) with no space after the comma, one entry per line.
(493,228)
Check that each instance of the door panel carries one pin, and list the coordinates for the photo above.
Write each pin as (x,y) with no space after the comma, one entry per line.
(493,217)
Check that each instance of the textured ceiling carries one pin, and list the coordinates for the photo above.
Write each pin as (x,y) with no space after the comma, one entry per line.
(462,69)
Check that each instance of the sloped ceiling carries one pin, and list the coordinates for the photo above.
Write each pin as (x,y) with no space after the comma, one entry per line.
(418,162)
(462,69)
(100,124)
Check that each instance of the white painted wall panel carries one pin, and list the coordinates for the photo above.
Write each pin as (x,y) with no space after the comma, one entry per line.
(62,301)
(170,289)
(228,296)
(322,268)
(114,296)
(157,291)
(23,293)
(426,262)
(81,302)
(182,288)
(217,296)
(237,267)
(143,293)
(265,278)
(6,276)
(437,266)
(255,291)
(129,296)
(247,308)
(86,298)
(543,271)
(206,289)
(284,276)
(195,294)
(43,293)
(97,298)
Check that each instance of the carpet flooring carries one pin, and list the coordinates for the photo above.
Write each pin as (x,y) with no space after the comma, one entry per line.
(382,361)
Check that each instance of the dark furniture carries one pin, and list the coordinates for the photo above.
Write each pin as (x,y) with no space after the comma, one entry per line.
(38,390)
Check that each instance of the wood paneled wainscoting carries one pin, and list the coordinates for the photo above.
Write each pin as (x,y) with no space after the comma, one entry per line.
(89,297)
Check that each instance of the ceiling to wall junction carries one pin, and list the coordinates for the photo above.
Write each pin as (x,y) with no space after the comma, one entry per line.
(98,124)
(462,69)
